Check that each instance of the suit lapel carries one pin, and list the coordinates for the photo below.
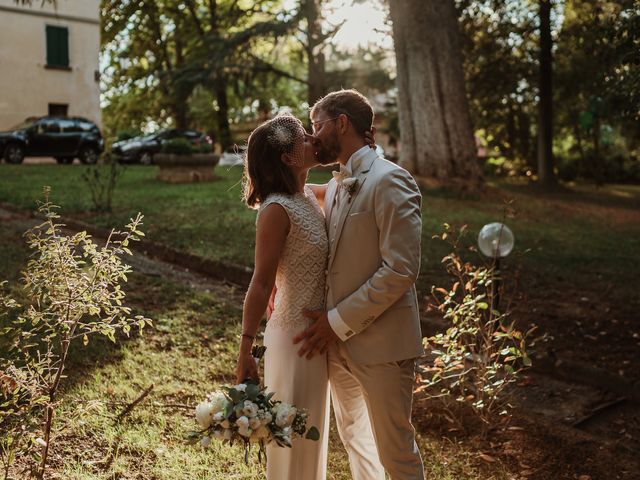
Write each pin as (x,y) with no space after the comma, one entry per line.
(346,203)
(329,201)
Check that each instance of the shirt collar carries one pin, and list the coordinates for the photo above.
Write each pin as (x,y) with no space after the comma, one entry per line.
(355,160)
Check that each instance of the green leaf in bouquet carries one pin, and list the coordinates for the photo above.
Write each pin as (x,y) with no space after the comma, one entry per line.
(235,395)
(252,391)
(313,434)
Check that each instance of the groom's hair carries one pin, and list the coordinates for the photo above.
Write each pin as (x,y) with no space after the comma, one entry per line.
(264,171)
(350,102)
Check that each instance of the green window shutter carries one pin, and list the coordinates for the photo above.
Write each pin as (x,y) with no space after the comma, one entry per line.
(57,46)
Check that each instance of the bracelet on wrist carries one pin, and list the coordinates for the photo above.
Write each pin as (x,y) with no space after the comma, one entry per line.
(250,337)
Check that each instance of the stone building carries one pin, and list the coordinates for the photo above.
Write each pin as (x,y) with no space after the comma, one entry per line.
(49,60)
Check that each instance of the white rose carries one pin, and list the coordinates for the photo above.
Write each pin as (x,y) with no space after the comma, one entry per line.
(218,401)
(218,417)
(250,409)
(205,442)
(267,418)
(254,422)
(285,415)
(241,387)
(242,421)
(204,414)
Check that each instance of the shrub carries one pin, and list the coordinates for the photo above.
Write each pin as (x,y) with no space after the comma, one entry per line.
(481,352)
(73,291)
(101,180)
(179,146)
(127,134)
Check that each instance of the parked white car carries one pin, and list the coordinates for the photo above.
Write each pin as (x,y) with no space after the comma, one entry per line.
(233,156)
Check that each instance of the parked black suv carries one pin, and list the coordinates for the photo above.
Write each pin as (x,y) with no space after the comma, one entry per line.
(142,149)
(60,137)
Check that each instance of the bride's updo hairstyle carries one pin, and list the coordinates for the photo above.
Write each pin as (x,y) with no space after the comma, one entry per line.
(264,170)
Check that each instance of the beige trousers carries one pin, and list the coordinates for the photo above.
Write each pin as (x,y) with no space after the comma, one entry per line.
(372,405)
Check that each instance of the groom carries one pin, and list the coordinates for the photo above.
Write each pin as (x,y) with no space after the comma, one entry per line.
(371,329)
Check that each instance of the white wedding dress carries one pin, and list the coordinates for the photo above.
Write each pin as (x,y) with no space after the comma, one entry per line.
(300,282)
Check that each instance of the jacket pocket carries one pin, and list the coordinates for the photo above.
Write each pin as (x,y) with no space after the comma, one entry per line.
(363,213)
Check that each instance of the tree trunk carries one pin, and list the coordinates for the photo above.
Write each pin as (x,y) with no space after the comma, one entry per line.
(224,130)
(220,85)
(525,144)
(181,91)
(511,133)
(437,139)
(545,106)
(313,48)
(598,168)
(578,134)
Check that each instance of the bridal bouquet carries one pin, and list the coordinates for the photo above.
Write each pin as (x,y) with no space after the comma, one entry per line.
(247,413)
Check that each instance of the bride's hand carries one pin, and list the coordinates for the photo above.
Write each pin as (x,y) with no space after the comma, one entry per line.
(246,368)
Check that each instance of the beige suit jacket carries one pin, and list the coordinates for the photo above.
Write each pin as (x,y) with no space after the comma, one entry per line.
(374,260)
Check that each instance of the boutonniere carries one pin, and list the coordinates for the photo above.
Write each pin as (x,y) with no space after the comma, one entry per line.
(350,185)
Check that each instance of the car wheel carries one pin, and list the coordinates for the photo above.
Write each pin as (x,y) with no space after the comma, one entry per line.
(64,160)
(146,158)
(89,155)
(14,153)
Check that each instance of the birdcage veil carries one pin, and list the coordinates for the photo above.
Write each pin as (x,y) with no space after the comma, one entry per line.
(286,134)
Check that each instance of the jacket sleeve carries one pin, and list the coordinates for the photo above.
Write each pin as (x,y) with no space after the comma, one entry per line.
(397,203)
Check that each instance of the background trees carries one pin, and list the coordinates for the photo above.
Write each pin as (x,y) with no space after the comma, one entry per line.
(463,69)
(162,52)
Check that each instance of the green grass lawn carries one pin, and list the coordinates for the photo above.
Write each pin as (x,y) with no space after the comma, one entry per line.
(579,235)
(583,230)
(189,351)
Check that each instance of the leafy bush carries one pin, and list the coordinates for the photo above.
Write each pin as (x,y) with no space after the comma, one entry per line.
(101,179)
(73,291)
(481,352)
(179,146)
(127,134)
(204,148)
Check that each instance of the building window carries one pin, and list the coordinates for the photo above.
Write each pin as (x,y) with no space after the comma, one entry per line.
(58,109)
(57,46)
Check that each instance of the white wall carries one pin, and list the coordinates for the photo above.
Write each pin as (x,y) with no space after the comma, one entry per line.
(26,86)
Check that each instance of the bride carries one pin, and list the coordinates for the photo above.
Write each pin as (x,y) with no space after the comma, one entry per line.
(291,253)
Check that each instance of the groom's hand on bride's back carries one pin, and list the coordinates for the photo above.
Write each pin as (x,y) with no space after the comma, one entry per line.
(317,337)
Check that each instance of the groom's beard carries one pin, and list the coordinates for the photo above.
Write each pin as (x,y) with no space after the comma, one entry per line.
(328,151)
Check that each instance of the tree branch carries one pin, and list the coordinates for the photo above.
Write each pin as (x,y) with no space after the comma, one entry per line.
(133,404)
(263,66)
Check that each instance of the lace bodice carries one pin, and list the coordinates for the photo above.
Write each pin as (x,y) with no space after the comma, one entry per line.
(300,278)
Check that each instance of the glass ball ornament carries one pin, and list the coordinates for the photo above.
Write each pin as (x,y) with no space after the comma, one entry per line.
(496,240)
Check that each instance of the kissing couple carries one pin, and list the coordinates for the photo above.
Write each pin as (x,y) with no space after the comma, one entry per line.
(342,259)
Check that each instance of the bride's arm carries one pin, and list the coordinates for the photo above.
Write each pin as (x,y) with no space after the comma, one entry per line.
(318,191)
(271,234)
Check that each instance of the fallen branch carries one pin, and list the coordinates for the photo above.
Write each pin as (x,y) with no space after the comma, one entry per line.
(597,411)
(133,404)
(162,405)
